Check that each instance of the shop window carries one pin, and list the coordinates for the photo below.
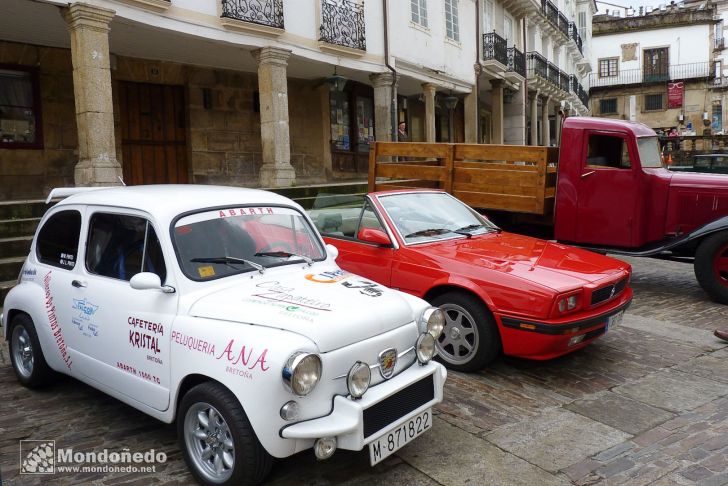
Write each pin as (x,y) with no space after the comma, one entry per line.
(20,125)
(716,122)
(352,126)
(608,106)
(654,102)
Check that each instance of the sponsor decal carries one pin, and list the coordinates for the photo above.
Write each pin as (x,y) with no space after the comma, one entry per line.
(244,357)
(154,359)
(238,372)
(144,341)
(328,277)
(141,374)
(290,311)
(365,287)
(53,321)
(226,213)
(192,343)
(274,291)
(67,260)
(144,325)
(82,320)
(387,362)
(206,271)
(28,274)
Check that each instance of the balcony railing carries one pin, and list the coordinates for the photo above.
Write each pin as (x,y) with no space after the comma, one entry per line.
(719,43)
(583,96)
(563,25)
(553,74)
(535,65)
(573,84)
(563,81)
(637,76)
(552,13)
(574,34)
(264,12)
(494,47)
(342,23)
(516,61)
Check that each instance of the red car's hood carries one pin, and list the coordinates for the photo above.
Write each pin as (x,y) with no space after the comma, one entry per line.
(700,181)
(550,264)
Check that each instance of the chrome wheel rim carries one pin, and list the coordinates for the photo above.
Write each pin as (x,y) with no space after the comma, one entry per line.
(209,442)
(459,340)
(22,351)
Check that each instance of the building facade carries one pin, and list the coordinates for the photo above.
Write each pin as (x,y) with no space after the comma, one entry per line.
(270,93)
(660,67)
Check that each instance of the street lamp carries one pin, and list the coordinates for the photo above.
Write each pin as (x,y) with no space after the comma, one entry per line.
(336,81)
(451,102)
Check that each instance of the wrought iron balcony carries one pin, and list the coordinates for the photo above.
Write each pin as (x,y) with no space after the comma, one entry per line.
(495,48)
(563,81)
(263,12)
(553,74)
(574,34)
(573,84)
(535,65)
(551,12)
(564,25)
(719,43)
(342,23)
(674,72)
(516,61)
(583,96)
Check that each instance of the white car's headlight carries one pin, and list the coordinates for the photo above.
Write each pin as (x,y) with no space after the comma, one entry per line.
(358,379)
(433,319)
(425,348)
(301,373)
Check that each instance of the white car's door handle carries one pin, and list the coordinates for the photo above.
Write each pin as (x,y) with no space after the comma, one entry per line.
(78,284)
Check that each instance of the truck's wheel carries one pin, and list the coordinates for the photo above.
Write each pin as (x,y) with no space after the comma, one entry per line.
(217,441)
(26,354)
(470,339)
(711,266)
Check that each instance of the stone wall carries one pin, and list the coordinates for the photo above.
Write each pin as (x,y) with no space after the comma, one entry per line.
(32,173)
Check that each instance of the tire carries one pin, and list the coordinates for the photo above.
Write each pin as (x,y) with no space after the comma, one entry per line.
(26,354)
(711,266)
(232,441)
(470,339)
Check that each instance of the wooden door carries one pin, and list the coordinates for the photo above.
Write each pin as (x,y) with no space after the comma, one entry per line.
(153,133)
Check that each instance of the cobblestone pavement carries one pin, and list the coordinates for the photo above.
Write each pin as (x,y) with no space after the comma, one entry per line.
(646,404)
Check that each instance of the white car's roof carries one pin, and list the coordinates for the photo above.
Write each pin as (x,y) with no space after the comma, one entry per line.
(166,201)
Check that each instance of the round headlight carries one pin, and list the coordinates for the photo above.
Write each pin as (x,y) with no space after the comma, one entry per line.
(434,321)
(425,347)
(301,373)
(358,379)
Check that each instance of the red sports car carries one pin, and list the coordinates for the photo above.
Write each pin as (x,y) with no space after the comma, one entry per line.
(501,291)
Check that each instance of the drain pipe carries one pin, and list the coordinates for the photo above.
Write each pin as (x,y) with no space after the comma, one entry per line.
(477,74)
(393,103)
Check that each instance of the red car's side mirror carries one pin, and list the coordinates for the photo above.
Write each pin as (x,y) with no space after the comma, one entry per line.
(377,236)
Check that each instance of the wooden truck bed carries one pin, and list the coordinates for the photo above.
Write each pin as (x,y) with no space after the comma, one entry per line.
(499,177)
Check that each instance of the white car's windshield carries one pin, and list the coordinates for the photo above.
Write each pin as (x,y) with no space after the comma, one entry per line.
(218,243)
(428,216)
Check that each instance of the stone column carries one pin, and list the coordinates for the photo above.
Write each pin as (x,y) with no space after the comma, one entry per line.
(558,118)
(429,91)
(383,100)
(277,170)
(533,96)
(496,96)
(545,130)
(88,26)
(471,117)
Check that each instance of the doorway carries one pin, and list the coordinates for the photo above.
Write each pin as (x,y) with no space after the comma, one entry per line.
(153,133)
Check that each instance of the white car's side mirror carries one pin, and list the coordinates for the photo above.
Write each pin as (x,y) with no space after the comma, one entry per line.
(332,251)
(149,281)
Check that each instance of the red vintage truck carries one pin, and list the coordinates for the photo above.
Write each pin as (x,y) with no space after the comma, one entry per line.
(605,189)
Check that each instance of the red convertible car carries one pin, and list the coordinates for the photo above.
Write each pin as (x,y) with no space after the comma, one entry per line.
(501,292)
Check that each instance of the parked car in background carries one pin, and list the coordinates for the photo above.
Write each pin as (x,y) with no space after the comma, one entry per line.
(221,308)
(500,292)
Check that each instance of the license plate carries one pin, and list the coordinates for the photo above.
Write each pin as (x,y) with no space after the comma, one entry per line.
(385,445)
(614,321)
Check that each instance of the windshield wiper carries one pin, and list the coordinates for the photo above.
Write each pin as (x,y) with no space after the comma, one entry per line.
(466,230)
(227,260)
(429,232)
(285,254)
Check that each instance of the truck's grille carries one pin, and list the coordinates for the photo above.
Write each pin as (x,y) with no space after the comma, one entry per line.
(381,414)
(608,292)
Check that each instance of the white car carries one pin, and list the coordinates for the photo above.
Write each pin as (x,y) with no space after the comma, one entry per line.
(221,308)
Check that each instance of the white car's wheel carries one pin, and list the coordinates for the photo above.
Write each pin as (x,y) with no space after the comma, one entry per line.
(216,438)
(25,353)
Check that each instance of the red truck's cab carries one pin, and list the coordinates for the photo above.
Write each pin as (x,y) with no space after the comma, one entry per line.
(612,192)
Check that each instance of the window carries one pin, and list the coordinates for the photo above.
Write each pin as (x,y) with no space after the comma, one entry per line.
(57,242)
(508,30)
(121,246)
(608,67)
(608,106)
(20,125)
(716,123)
(582,25)
(608,151)
(654,102)
(452,27)
(488,16)
(655,65)
(352,119)
(419,12)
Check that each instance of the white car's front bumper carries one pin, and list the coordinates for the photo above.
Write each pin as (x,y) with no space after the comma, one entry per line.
(355,423)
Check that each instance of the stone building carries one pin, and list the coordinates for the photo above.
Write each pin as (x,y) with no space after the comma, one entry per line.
(659,67)
(270,93)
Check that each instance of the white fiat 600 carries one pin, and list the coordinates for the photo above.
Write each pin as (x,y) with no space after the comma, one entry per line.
(222,309)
